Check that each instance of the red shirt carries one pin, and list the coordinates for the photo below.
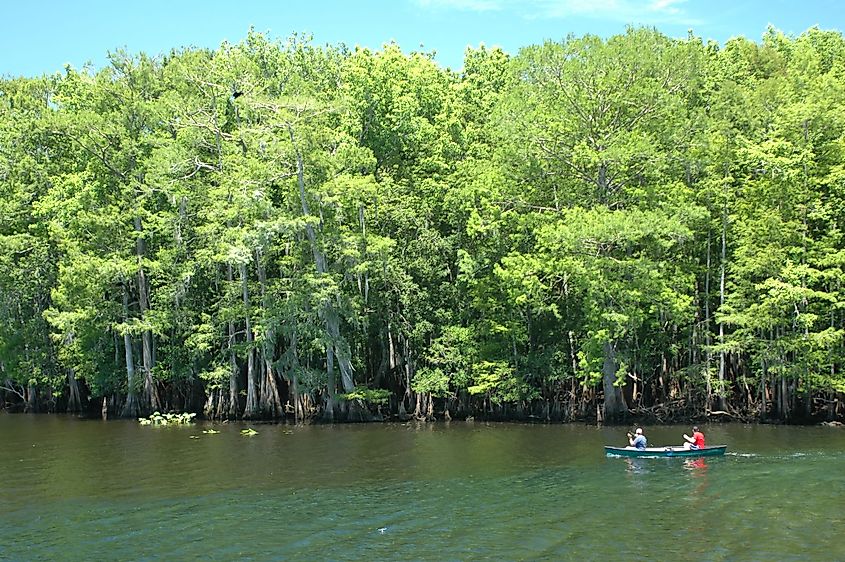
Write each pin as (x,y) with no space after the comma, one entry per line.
(699,439)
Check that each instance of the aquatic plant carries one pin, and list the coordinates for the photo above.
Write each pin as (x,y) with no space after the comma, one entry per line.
(158,418)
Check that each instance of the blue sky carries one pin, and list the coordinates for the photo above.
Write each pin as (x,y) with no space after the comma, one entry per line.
(41,37)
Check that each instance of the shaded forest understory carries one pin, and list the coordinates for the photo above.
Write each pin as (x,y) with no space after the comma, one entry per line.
(591,229)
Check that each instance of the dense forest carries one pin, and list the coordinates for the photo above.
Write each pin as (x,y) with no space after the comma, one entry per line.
(591,229)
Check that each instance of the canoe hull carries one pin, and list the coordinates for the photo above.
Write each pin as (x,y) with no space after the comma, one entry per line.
(716,450)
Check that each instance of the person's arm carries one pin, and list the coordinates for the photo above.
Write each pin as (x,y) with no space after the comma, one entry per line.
(688,438)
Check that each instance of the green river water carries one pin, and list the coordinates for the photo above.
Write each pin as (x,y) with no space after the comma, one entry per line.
(93,490)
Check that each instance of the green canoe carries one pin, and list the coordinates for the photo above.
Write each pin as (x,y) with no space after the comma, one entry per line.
(665,451)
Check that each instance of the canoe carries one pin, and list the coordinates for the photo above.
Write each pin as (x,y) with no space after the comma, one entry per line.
(665,451)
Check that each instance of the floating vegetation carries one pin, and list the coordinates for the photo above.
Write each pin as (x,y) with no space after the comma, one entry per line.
(210,431)
(194,437)
(249,431)
(158,418)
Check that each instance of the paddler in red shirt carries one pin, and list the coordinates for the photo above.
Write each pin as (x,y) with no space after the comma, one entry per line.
(696,441)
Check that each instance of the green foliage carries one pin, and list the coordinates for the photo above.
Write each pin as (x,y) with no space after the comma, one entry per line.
(370,396)
(360,225)
(498,381)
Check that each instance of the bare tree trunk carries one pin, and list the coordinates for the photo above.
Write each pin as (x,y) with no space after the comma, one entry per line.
(783,399)
(341,348)
(331,385)
(31,404)
(251,409)
(293,386)
(269,401)
(613,403)
(232,406)
(212,402)
(384,361)
(418,408)
(74,401)
(151,399)
(130,408)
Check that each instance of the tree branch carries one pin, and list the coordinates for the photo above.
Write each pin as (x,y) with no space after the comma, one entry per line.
(13,391)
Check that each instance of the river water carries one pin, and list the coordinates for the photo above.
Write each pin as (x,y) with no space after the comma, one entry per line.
(92,490)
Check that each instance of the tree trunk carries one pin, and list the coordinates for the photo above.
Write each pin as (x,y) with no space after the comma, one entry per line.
(31,404)
(764,375)
(130,409)
(341,349)
(212,403)
(232,409)
(783,399)
(331,385)
(384,361)
(288,372)
(269,401)
(418,407)
(74,402)
(251,409)
(151,399)
(613,409)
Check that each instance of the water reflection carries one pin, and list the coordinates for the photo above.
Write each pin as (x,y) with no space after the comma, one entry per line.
(697,467)
(636,465)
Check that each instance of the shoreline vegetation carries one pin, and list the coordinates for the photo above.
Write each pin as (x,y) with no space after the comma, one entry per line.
(637,227)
